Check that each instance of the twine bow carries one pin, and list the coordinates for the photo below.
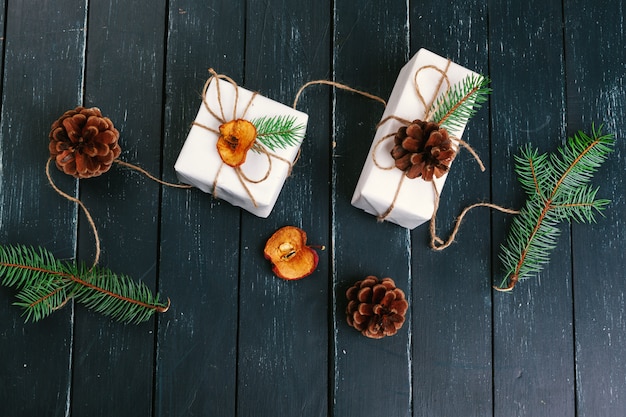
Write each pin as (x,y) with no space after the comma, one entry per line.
(430,109)
(232,140)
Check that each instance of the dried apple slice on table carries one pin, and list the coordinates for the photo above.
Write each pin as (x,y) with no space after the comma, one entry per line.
(290,256)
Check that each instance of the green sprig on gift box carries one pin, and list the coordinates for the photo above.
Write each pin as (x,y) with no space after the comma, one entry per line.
(278,132)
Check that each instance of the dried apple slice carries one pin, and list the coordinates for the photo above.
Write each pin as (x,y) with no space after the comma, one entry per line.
(235,140)
(290,257)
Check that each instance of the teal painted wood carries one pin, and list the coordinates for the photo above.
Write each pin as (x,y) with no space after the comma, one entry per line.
(196,366)
(42,72)
(239,341)
(124,78)
(452,326)
(371,377)
(283,354)
(596,94)
(533,334)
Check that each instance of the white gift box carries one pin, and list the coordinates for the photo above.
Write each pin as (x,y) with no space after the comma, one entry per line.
(376,189)
(199,163)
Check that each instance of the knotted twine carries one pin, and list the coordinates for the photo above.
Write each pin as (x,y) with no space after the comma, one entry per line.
(221,117)
(436,243)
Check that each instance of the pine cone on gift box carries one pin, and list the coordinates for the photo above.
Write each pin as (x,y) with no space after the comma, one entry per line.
(376,307)
(83,143)
(423,149)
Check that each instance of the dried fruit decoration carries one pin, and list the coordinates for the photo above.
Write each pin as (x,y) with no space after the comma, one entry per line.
(423,149)
(290,257)
(235,140)
(83,143)
(376,307)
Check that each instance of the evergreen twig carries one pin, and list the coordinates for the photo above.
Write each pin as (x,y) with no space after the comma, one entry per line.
(558,190)
(461,102)
(278,132)
(45,284)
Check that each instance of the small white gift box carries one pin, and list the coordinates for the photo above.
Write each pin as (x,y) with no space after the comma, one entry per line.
(256,184)
(381,189)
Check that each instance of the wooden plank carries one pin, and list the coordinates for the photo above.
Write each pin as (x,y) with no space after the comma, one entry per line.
(43,74)
(452,331)
(124,78)
(199,260)
(595,87)
(283,325)
(533,335)
(371,377)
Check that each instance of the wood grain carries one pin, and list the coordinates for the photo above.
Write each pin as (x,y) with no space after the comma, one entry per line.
(596,92)
(452,327)
(196,369)
(283,325)
(533,334)
(124,73)
(371,377)
(238,341)
(42,74)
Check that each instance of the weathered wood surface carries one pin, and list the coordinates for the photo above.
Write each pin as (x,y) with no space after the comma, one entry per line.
(238,341)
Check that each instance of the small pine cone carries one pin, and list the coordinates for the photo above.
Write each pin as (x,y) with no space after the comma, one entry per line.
(376,307)
(423,149)
(83,143)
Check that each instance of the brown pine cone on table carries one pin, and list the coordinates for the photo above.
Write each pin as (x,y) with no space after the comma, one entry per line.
(83,143)
(376,307)
(423,149)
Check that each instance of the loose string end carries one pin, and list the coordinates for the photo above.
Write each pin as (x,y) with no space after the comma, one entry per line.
(92,224)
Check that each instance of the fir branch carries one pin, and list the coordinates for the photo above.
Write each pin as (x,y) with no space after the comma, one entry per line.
(117,296)
(278,132)
(461,102)
(561,192)
(45,284)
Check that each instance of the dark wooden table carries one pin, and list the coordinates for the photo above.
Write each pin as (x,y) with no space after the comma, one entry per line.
(237,341)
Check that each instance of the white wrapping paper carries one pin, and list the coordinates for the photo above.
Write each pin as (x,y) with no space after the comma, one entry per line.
(199,162)
(376,188)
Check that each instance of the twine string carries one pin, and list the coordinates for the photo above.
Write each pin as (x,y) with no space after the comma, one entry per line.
(427,114)
(147,174)
(87,213)
(337,85)
(258,146)
(428,108)
(436,242)
(92,224)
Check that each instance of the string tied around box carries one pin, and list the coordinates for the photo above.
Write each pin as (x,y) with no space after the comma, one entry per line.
(429,148)
(237,135)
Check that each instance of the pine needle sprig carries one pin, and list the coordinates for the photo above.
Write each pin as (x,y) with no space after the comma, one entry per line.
(558,190)
(278,132)
(46,284)
(461,102)
(117,296)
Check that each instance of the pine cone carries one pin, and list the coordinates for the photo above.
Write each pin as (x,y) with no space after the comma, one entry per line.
(83,143)
(376,307)
(423,149)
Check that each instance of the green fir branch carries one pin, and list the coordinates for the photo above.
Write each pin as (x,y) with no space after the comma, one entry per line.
(278,132)
(46,284)
(461,102)
(558,190)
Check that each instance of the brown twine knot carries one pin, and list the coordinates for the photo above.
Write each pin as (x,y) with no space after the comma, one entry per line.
(231,148)
(436,242)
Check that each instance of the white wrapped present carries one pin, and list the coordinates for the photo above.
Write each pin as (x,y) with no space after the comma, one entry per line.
(256,183)
(383,190)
